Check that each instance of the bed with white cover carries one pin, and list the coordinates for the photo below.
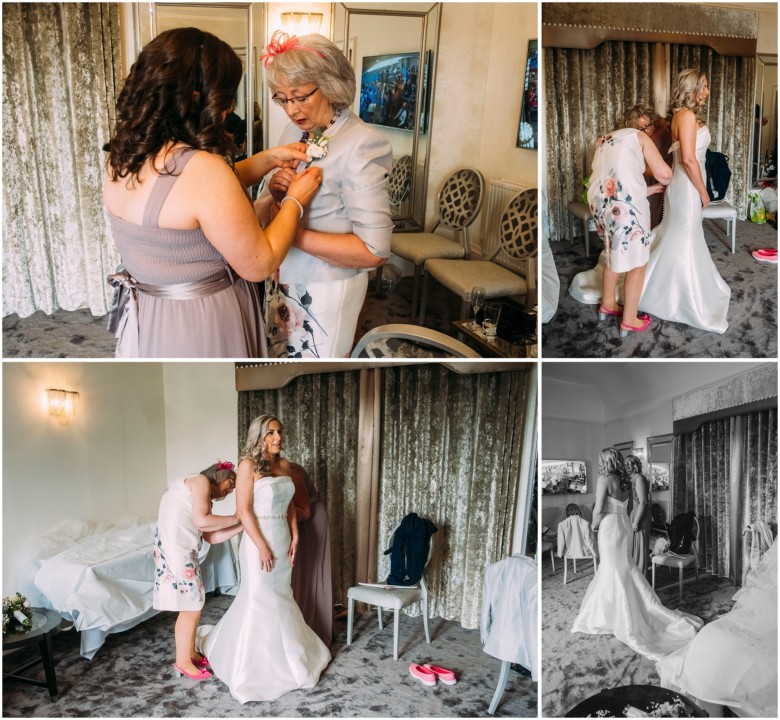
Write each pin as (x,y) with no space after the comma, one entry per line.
(101,577)
(732,661)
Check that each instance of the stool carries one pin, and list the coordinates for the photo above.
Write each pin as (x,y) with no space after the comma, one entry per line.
(581,211)
(722,210)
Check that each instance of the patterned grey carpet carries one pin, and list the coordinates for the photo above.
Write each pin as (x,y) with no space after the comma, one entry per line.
(131,676)
(576,666)
(575,331)
(78,334)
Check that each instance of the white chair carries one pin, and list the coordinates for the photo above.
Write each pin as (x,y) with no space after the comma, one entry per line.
(681,561)
(547,545)
(394,599)
(581,212)
(581,537)
(723,211)
(399,340)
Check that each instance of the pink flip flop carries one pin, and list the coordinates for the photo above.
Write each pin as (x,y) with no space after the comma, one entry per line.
(421,672)
(446,676)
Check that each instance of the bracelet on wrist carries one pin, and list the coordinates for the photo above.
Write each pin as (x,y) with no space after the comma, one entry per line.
(296,201)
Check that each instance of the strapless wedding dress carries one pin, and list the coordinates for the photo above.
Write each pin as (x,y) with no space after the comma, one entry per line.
(620,602)
(682,283)
(262,648)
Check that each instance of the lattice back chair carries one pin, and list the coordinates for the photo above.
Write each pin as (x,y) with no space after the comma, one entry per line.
(400,181)
(518,235)
(681,561)
(399,340)
(573,509)
(459,203)
(395,599)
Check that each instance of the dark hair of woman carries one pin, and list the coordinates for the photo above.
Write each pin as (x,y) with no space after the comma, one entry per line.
(177,90)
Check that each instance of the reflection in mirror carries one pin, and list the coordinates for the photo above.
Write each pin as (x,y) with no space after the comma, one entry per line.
(528,129)
(764,153)
(393,53)
(233,23)
(659,462)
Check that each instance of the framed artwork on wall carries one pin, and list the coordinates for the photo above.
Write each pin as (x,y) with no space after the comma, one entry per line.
(564,477)
(528,127)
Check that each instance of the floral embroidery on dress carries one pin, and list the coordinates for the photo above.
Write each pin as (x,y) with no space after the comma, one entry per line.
(289,322)
(616,216)
(188,583)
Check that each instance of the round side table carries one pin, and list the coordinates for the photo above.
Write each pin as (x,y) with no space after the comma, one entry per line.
(45,625)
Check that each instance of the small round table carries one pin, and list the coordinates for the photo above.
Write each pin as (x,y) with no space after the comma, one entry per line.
(643,697)
(45,625)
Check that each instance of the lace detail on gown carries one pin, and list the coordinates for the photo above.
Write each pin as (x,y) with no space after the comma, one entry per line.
(620,602)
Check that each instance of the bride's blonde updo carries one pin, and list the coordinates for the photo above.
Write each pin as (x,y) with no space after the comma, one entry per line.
(254,449)
(611,463)
(687,87)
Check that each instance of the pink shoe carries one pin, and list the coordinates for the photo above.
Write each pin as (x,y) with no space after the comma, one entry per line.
(625,329)
(202,663)
(446,676)
(603,312)
(425,676)
(766,252)
(759,255)
(202,675)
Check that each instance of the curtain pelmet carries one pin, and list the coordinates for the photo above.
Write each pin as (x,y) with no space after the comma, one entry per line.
(61,72)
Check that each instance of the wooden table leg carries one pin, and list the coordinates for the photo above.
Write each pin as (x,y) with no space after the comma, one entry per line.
(47,656)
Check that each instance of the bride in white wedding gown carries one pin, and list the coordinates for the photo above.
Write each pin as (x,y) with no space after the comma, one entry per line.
(262,648)
(619,601)
(681,282)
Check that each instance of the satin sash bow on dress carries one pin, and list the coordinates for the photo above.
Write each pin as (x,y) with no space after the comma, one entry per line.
(123,316)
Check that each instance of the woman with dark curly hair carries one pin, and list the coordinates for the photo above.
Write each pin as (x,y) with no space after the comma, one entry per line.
(189,240)
(619,601)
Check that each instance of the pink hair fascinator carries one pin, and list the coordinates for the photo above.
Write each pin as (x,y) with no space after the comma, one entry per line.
(281,42)
(224,465)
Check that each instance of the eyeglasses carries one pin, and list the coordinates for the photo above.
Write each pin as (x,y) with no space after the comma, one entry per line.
(647,129)
(302,100)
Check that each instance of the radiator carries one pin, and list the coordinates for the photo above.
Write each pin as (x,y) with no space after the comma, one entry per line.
(500,192)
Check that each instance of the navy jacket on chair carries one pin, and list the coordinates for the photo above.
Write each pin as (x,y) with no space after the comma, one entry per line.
(409,550)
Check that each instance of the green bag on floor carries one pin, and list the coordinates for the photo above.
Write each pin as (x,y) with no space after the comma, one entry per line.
(756,211)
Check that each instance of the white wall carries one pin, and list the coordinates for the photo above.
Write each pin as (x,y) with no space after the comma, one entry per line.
(479,86)
(108,464)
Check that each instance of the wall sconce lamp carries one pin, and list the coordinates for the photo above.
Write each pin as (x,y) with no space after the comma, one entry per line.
(301,23)
(640,453)
(62,404)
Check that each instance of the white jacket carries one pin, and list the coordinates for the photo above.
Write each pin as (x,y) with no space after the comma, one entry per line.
(576,538)
(510,612)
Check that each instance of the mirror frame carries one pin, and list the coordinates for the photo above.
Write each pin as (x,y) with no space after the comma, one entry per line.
(414,219)
(763,60)
(657,441)
(535,136)
(145,29)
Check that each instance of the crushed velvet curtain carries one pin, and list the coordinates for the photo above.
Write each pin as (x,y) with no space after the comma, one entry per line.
(320,417)
(702,483)
(726,472)
(588,91)
(61,76)
(728,112)
(449,449)
(587,94)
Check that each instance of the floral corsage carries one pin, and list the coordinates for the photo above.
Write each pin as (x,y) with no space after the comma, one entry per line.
(16,610)
(316,145)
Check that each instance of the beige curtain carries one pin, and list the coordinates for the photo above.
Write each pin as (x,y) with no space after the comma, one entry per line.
(451,448)
(587,94)
(320,414)
(61,76)
(729,110)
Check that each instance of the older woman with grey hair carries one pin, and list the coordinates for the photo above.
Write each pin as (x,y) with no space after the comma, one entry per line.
(640,516)
(313,301)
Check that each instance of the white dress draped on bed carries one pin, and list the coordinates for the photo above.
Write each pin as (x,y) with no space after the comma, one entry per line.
(262,647)
(620,602)
(733,660)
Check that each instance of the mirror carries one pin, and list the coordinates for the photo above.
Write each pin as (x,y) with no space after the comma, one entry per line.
(393,53)
(764,152)
(659,462)
(528,127)
(240,26)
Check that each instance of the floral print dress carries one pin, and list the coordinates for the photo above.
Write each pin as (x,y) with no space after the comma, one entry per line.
(617,196)
(177,579)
